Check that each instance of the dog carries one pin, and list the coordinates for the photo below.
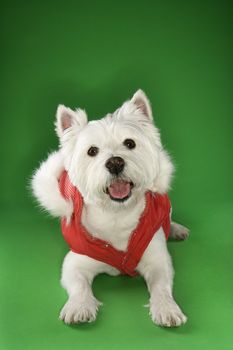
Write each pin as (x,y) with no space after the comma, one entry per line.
(108,182)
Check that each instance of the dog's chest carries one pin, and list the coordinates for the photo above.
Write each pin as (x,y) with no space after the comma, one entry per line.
(113,227)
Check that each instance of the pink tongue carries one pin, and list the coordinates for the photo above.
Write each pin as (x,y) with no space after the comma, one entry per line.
(119,189)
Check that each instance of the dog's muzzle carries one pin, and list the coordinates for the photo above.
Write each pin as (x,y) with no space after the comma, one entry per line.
(119,190)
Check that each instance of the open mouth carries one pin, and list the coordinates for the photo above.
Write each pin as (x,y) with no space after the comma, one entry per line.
(120,190)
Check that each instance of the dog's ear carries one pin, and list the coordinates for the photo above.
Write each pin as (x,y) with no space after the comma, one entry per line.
(142,103)
(162,181)
(66,119)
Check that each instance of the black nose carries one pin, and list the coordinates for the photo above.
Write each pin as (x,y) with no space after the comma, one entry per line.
(115,165)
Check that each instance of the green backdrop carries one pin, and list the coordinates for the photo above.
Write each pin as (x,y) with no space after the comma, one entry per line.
(96,54)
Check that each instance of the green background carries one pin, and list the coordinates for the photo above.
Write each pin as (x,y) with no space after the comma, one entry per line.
(96,54)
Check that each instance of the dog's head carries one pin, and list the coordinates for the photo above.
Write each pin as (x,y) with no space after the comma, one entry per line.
(115,160)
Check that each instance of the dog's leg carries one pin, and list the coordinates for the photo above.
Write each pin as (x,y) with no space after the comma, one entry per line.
(178,231)
(156,267)
(78,272)
(45,187)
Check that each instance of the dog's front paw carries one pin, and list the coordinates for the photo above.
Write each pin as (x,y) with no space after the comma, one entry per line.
(178,231)
(167,314)
(75,311)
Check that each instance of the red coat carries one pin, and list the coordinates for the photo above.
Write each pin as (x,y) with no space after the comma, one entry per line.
(155,215)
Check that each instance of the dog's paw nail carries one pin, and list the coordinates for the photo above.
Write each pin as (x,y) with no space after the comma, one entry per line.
(179,232)
(168,315)
(79,312)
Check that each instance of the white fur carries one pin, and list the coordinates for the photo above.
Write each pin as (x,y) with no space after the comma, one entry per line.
(45,186)
(148,166)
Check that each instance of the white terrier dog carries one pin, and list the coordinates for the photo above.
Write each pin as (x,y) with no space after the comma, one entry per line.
(107,182)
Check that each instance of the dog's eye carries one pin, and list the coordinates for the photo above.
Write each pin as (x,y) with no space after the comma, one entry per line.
(93,151)
(129,143)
